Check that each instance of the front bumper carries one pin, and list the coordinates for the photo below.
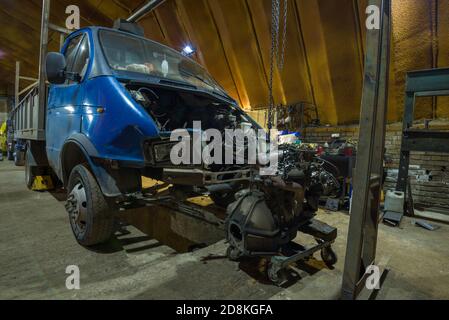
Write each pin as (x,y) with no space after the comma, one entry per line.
(203,178)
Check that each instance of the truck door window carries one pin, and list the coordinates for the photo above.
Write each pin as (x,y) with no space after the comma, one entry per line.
(82,58)
(70,51)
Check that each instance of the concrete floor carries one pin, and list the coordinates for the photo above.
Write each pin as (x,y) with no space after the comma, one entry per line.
(36,246)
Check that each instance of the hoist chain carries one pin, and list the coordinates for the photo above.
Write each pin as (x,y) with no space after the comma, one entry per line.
(276,56)
(281,57)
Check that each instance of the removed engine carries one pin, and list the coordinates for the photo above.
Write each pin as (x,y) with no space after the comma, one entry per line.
(267,217)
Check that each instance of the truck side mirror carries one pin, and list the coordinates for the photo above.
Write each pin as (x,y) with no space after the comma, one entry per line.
(55,67)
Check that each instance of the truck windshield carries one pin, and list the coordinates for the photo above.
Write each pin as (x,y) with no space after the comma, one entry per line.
(133,54)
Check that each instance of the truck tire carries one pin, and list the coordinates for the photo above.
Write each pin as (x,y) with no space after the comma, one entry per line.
(19,158)
(223,200)
(91,218)
(30,171)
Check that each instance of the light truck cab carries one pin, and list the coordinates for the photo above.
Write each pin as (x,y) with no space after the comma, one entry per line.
(113,101)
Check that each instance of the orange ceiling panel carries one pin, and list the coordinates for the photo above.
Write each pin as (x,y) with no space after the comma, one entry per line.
(324,55)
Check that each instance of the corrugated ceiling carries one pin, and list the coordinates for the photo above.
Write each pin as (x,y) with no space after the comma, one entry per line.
(324,57)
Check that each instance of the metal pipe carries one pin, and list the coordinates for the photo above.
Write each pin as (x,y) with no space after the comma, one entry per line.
(59,29)
(17,84)
(219,188)
(61,41)
(145,9)
(31,86)
(42,59)
(28,79)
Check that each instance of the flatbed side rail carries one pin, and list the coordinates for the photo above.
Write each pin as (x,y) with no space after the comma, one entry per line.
(27,116)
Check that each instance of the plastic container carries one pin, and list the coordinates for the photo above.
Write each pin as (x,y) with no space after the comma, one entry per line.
(394,201)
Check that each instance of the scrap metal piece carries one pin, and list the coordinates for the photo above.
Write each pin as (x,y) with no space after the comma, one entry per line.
(426,225)
(393,218)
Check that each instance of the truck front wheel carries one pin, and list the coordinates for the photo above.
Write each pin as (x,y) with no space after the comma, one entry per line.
(91,218)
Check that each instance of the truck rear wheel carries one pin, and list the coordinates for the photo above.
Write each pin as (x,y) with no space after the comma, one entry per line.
(91,218)
(30,171)
(19,158)
(10,155)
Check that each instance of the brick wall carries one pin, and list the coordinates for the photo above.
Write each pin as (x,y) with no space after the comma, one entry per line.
(433,165)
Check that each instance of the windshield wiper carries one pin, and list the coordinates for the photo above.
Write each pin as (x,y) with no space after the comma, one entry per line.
(184,72)
(177,83)
(217,91)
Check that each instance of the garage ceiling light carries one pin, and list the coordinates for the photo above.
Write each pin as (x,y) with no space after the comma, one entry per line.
(188,51)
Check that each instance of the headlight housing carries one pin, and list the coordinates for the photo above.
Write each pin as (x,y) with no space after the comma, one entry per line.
(162,151)
(159,152)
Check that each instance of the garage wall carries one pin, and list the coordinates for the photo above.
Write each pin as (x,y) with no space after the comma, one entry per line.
(433,193)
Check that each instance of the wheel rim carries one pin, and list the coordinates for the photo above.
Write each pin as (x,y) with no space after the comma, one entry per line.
(233,253)
(326,255)
(329,257)
(77,207)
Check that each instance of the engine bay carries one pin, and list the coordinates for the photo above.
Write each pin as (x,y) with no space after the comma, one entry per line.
(173,109)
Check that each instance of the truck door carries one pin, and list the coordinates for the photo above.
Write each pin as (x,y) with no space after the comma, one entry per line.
(65,101)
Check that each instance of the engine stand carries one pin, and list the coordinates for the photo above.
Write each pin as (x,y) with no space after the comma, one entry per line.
(292,253)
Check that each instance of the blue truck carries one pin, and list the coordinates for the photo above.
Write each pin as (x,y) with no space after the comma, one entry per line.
(100,118)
